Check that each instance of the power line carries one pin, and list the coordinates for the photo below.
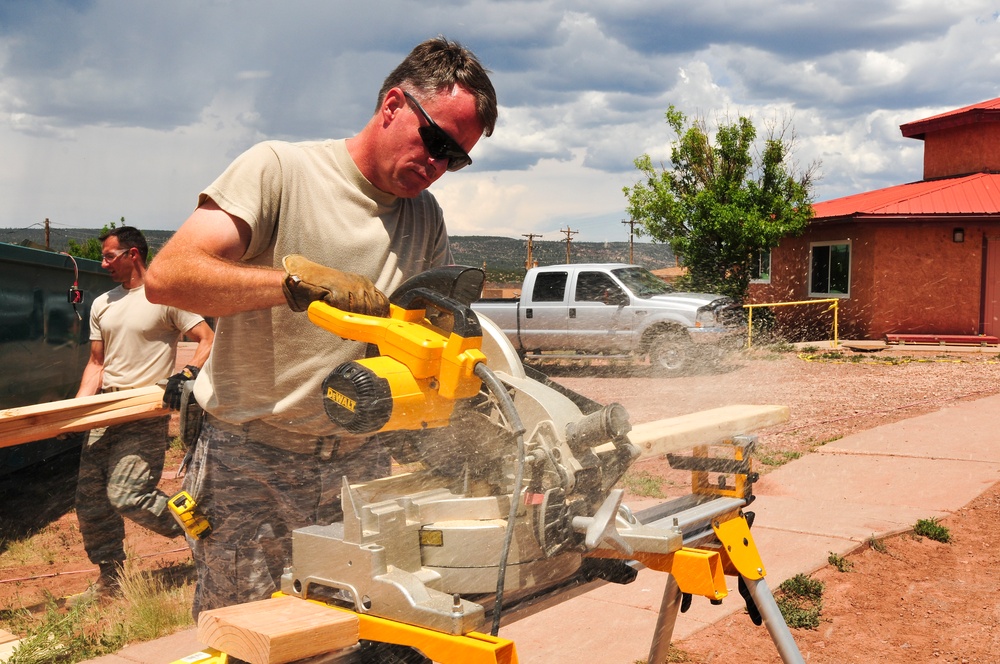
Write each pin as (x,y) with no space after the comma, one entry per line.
(530,261)
(631,233)
(569,240)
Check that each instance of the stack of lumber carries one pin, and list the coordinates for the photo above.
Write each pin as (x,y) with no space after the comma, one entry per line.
(47,420)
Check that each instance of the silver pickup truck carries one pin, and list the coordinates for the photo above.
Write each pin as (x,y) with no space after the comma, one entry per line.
(610,310)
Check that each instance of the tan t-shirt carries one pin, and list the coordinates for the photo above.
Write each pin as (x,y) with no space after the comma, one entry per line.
(310,199)
(140,338)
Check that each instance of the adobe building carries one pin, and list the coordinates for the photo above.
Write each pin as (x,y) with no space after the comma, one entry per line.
(917,258)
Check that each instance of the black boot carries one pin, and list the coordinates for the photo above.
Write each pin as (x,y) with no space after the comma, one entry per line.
(107,585)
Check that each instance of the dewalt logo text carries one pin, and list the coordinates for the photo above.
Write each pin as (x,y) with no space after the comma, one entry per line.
(340,399)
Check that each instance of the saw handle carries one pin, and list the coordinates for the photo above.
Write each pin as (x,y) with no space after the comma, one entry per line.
(466,323)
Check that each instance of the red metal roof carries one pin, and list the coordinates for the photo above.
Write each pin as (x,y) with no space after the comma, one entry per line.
(977,194)
(984,111)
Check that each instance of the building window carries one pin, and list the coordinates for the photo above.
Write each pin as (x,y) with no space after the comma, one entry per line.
(830,269)
(760,268)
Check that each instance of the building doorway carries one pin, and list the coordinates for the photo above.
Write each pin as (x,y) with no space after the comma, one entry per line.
(990,322)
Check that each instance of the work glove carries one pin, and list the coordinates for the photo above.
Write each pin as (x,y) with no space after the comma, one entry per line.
(306,282)
(175,386)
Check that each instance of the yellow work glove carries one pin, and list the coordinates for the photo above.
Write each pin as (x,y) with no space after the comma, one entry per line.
(306,282)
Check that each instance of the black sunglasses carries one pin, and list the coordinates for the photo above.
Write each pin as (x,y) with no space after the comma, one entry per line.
(437,141)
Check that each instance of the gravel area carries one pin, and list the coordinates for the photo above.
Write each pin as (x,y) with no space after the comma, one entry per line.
(830,393)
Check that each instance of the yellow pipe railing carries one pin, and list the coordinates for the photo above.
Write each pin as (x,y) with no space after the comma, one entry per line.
(835,305)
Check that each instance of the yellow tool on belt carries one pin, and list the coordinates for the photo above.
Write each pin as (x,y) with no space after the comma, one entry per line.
(185,511)
(420,372)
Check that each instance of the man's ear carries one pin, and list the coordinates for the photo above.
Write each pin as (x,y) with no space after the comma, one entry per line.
(393,102)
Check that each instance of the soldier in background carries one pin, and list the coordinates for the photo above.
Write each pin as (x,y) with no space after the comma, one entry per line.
(133,343)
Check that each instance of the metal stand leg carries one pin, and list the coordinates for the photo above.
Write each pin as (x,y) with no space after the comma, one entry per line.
(665,620)
(774,621)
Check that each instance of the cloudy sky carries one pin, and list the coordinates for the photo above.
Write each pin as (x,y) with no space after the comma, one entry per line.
(128,108)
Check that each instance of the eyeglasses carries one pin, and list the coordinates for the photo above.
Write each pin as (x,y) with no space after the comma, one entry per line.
(437,141)
(111,258)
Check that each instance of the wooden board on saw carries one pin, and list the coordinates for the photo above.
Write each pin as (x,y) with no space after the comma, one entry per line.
(277,630)
(705,427)
(46,420)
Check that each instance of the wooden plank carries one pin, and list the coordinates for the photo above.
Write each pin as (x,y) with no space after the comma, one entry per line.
(277,630)
(674,434)
(68,410)
(40,421)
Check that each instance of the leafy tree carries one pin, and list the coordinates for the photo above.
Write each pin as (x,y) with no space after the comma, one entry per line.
(92,247)
(723,203)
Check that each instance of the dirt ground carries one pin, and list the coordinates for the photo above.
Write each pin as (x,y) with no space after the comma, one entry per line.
(915,599)
(919,600)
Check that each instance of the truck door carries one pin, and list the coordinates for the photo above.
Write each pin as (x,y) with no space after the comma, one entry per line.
(600,319)
(543,317)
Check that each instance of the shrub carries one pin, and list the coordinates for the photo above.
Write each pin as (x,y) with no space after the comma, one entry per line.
(839,562)
(931,529)
(800,600)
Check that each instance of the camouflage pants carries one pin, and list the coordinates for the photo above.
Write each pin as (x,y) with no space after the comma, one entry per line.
(254,495)
(120,467)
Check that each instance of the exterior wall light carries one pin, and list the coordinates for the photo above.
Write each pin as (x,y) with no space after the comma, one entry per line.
(958,235)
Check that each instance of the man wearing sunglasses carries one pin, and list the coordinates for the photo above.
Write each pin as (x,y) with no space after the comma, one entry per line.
(342,221)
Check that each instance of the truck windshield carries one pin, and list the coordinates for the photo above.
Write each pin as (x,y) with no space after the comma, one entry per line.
(642,282)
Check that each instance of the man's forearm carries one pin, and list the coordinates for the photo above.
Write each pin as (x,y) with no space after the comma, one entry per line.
(90,383)
(205,337)
(212,286)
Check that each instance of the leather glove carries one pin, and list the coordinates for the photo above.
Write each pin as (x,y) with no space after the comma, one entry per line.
(306,282)
(175,386)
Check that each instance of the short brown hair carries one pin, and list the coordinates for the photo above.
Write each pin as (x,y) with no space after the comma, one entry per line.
(441,64)
(129,237)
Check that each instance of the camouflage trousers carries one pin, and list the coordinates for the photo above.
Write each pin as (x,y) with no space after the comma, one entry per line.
(254,495)
(120,467)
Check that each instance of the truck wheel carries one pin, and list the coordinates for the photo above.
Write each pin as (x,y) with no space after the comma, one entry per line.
(670,355)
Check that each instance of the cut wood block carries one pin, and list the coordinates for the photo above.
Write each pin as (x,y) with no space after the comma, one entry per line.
(277,630)
(8,644)
(46,420)
(705,427)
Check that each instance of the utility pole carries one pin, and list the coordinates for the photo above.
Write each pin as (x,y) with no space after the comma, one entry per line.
(631,232)
(529,263)
(568,233)
(46,233)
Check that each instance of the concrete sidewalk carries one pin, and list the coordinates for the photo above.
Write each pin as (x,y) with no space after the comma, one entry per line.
(874,483)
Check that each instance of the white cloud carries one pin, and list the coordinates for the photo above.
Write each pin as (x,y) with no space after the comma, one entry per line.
(881,69)
(112,108)
(550,195)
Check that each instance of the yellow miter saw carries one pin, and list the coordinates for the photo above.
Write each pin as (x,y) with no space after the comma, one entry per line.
(512,489)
